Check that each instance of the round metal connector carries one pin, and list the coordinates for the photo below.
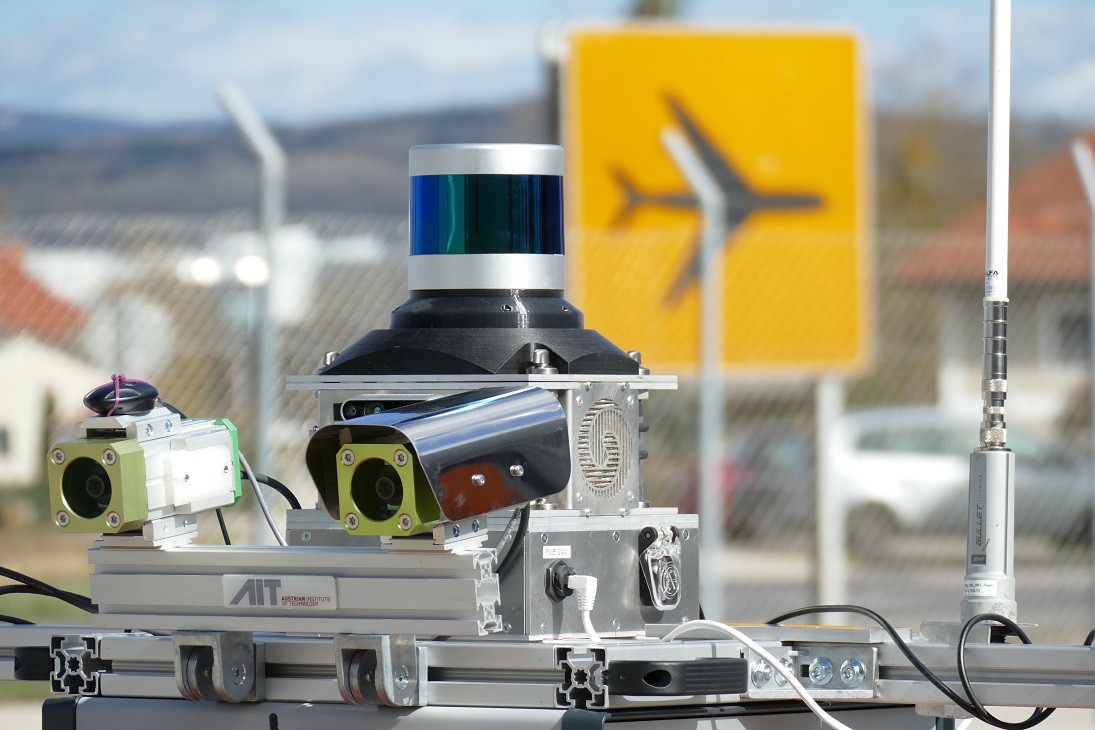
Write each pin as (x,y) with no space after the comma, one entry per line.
(821,671)
(852,673)
(761,673)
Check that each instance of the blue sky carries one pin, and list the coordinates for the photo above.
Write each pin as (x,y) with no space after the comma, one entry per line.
(306,62)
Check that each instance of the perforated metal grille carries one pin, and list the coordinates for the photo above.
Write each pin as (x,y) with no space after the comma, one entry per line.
(604,448)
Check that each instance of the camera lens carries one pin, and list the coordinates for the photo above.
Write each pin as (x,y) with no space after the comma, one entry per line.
(377,490)
(85,488)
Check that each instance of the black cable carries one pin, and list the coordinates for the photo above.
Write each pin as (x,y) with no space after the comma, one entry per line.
(15,620)
(278,487)
(75,599)
(966,704)
(1090,638)
(889,629)
(516,547)
(1039,714)
(20,588)
(224,527)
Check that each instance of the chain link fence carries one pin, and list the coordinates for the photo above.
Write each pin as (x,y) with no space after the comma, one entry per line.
(162,298)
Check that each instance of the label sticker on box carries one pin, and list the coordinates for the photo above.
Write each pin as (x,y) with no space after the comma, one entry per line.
(557,552)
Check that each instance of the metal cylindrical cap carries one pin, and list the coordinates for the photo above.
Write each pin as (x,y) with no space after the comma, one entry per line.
(486,159)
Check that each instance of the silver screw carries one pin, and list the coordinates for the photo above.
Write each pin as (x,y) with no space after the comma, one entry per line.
(615,536)
(58,456)
(821,671)
(543,628)
(352,521)
(780,679)
(239,673)
(761,673)
(475,525)
(578,498)
(852,672)
(330,356)
(631,400)
(455,530)
(405,521)
(517,470)
(402,677)
(148,429)
(62,518)
(578,401)
(686,534)
(400,457)
(110,456)
(478,480)
(346,457)
(113,519)
(306,536)
(186,477)
(543,538)
(615,624)
(167,427)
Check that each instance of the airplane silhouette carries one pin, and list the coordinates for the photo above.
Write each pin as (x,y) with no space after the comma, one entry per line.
(741,200)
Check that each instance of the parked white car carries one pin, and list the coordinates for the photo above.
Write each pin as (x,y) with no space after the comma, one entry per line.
(903,469)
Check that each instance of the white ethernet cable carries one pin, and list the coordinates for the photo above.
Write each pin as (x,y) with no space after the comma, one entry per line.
(586,588)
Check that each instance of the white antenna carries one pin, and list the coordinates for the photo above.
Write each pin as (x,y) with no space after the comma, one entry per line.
(990,557)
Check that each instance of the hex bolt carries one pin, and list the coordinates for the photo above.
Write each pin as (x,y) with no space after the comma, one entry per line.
(306,536)
(543,538)
(615,536)
(686,534)
(113,519)
(58,456)
(405,521)
(615,624)
(455,530)
(239,673)
(346,457)
(475,525)
(543,628)
(517,470)
(761,673)
(402,677)
(352,521)
(781,681)
(110,456)
(478,480)
(852,672)
(62,518)
(148,429)
(821,671)
(167,426)
(400,457)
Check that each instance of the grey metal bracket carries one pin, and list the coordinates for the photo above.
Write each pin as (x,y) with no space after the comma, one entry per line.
(583,684)
(380,669)
(226,666)
(76,665)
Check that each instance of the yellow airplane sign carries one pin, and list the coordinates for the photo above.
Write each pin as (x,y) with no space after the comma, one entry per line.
(777,121)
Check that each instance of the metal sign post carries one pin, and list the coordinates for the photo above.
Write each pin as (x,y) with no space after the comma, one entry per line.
(1085,166)
(271,215)
(712,209)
